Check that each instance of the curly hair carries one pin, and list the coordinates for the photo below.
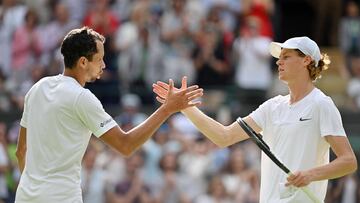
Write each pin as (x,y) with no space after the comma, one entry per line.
(315,71)
(79,43)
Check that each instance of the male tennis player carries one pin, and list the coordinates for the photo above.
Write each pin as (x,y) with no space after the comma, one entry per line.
(60,115)
(299,127)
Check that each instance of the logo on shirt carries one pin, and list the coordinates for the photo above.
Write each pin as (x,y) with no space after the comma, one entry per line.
(102,124)
(304,119)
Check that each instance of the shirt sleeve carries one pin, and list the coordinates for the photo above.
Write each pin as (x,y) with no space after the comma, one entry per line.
(330,119)
(24,118)
(92,114)
(260,114)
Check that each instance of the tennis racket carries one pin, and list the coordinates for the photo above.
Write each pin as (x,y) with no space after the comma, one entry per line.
(257,139)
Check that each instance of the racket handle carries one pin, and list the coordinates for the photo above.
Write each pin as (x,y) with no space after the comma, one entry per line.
(311,195)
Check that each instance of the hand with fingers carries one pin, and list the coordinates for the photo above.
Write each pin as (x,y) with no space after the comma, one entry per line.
(299,179)
(175,99)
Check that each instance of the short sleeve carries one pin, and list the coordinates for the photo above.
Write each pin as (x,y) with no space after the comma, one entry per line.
(24,118)
(260,114)
(92,114)
(330,119)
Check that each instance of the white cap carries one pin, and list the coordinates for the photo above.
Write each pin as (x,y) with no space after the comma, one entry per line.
(304,44)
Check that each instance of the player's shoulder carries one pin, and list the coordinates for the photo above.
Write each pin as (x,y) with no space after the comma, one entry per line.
(279,99)
(44,80)
(86,96)
(320,98)
(39,84)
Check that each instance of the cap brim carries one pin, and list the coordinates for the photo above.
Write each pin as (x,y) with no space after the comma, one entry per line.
(275,49)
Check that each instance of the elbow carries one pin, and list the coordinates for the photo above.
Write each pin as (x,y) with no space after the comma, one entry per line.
(125,147)
(127,152)
(354,164)
(20,153)
(124,150)
(230,137)
(351,164)
(222,144)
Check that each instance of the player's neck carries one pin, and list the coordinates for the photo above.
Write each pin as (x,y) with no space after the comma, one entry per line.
(299,91)
(74,74)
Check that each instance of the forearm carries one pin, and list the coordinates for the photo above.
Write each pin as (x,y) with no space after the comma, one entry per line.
(140,134)
(21,162)
(21,149)
(338,167)
(215,131)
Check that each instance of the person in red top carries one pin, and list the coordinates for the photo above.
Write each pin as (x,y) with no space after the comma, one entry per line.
(101,19)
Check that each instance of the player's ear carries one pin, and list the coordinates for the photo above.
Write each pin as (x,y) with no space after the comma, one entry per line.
(307,60)
(82,62)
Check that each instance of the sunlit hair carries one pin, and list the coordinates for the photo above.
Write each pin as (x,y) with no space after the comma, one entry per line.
(315,72)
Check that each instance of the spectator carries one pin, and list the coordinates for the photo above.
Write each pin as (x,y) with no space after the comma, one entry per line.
(132,189)
(173,186)
(353,88)
(349,33)
(139,53)
(100,18)
(253,70)
(210,55)
(11,17)
(241,182)
(216,192)
(131,114)
(92,178)
(4,164)
(53,33)
(26,47)
(178,42)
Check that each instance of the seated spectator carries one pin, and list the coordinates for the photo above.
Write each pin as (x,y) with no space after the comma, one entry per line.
(241,182)
(132,188)
(216,192)
(173,186)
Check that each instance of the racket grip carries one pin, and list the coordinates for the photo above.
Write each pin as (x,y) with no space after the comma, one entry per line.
(311,195)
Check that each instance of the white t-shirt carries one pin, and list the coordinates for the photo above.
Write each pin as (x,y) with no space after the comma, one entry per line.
(295,134)
(59,115)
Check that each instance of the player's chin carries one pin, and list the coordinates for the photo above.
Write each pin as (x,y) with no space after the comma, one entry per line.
(94,79)
(282,77)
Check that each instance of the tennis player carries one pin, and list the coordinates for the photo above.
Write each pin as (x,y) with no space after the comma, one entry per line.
(299,127)
(60,115)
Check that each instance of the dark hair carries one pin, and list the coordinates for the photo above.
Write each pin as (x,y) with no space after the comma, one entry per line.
(315,71)
(78,43)
(32,14)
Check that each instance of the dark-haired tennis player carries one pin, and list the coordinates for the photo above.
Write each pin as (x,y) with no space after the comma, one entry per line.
(299,127)
(60,115)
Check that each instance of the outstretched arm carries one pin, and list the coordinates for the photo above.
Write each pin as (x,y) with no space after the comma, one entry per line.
(128,142)
(219,134)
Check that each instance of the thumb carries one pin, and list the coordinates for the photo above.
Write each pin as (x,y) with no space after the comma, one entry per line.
(171,86)
(184,83)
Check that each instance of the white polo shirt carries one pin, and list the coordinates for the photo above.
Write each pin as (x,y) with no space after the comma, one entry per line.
(60,116)
(295,134)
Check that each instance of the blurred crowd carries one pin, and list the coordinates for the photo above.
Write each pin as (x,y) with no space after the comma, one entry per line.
(221,45)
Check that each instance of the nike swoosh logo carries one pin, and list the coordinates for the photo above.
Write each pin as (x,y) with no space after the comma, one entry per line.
(304,119)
